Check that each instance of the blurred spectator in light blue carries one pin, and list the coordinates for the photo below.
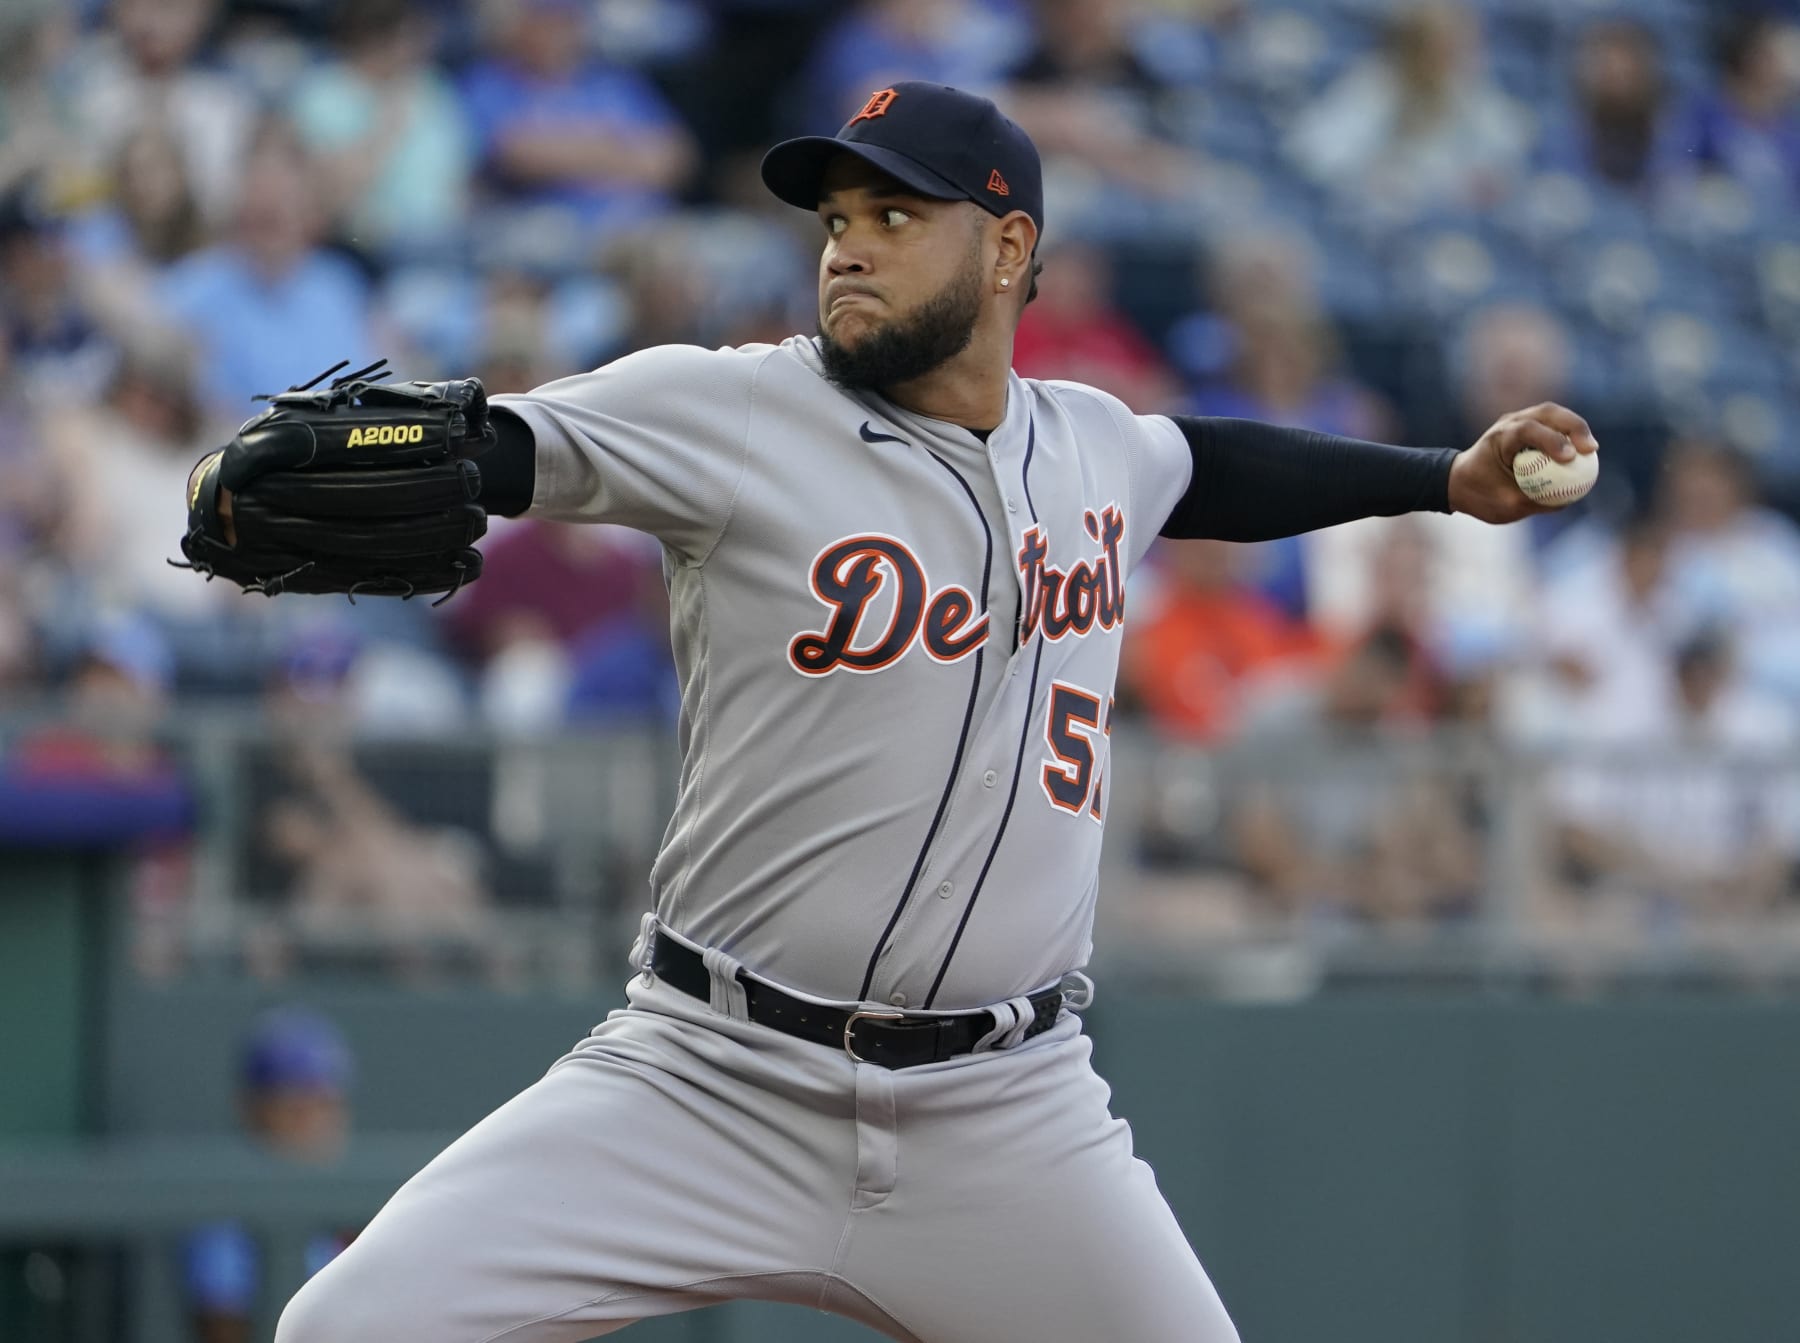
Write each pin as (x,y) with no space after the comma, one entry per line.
(143,70)
(59,350)
(881,42)
(1417,126)
(270,308)
(1266,351)
(1748,128)
(1618,131)
(1699,831)
(388,130)
(126,244)
(1604,633)
(294,1080)
(573,149)
(1735,562)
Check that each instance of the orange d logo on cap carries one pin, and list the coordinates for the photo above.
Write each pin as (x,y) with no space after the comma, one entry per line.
(877,106)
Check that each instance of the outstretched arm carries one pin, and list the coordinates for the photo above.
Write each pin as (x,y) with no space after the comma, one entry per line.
(1255,482)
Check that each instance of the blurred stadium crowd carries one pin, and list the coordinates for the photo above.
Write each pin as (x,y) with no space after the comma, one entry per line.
(1395,220)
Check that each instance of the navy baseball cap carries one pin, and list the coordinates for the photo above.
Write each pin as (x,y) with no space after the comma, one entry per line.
(939,141)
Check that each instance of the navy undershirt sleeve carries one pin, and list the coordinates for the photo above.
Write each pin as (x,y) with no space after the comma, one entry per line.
(509,468)
(1255,482)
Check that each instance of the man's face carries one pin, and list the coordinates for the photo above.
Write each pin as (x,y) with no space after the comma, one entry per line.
(305,1123)
(162,33)
(900,286)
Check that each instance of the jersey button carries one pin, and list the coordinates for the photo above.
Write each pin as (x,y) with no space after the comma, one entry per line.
(897,999)
(1012,505)
(989,779)
(946,891)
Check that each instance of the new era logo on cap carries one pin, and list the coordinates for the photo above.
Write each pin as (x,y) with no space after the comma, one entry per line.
(938,141)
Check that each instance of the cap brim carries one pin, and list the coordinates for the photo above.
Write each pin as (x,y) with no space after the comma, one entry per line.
(795,169)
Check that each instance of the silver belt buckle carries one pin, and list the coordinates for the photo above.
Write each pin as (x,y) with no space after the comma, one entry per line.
(850,1029)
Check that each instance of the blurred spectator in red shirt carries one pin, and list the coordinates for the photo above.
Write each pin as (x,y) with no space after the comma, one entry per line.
(1206,640)
(545,586)
(1418,126)
(1072,330)
(559,578)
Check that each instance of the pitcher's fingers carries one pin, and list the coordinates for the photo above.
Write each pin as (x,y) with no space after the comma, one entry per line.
(1567,422)
(1528,432)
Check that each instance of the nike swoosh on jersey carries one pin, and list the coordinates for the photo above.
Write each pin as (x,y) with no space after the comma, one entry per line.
(870,436)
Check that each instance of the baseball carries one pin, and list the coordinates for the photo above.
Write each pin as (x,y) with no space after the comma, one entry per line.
(1548,481)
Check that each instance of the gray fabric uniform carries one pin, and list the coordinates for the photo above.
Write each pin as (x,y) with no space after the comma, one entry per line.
(897,648)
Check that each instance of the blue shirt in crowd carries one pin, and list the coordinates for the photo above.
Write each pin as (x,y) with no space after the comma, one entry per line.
(258,335)
(597,100)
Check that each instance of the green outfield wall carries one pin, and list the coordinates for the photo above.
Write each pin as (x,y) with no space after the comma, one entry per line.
(1432,1169)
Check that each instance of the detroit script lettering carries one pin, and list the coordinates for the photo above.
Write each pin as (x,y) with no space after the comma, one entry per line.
(848,576)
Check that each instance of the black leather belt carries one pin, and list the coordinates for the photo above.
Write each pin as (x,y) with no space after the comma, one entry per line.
(894,1039)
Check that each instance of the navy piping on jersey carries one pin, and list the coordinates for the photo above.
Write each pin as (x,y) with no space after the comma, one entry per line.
(1012,794)
(962,741)
(1025,471)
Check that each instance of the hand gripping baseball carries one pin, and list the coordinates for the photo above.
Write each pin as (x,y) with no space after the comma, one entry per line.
(356,487)
(1482,483)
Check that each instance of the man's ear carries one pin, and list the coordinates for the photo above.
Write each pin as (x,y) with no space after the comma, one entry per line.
(1016,242)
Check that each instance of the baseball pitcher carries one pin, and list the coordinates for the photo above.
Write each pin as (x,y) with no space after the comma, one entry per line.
(848,1074)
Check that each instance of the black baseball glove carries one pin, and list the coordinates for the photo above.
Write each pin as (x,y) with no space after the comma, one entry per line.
(355,487)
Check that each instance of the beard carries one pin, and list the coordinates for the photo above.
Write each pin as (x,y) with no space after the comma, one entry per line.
(912,346)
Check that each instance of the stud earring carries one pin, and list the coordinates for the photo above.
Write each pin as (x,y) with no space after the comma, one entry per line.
(1004,282)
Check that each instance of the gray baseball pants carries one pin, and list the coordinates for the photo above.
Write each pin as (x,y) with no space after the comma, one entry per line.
(680,1156)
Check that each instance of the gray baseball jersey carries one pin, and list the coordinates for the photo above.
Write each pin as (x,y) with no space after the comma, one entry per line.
(897,647)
